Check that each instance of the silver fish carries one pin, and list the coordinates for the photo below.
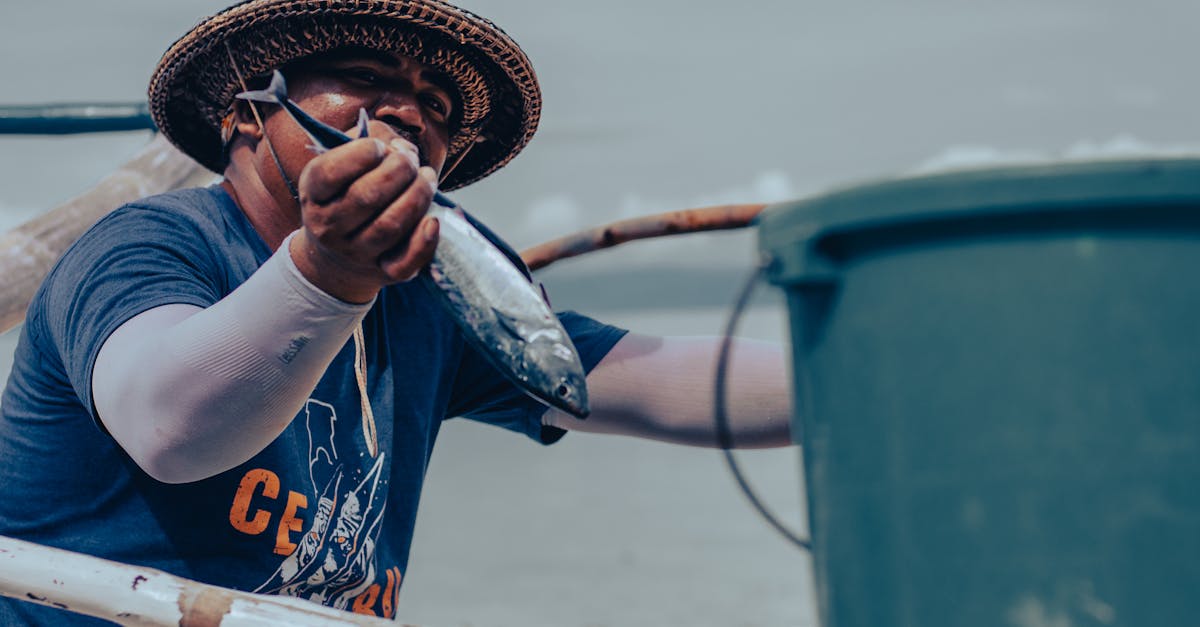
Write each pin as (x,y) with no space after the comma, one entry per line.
(495,303)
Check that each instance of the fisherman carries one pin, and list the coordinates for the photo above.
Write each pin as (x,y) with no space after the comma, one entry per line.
(240,384)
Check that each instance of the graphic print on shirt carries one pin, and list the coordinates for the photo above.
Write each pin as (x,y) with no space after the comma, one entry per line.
(334,561)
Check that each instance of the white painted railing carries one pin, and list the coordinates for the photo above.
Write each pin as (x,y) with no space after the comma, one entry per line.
(131,595)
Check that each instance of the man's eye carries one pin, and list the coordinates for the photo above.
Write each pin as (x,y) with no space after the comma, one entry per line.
(361,75)
(435,104)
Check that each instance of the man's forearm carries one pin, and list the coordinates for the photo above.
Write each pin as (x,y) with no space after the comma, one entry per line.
(191,392)
(663,389)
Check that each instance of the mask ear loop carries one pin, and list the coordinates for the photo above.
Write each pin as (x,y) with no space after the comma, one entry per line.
(476,138)
(258,118)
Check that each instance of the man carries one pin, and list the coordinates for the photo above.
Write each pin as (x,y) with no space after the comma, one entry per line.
(238,384)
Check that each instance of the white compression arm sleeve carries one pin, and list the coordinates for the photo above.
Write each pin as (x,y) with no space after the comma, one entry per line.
(191,392)
(677,403)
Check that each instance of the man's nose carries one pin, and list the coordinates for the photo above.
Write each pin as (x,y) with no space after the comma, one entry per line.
(400,110)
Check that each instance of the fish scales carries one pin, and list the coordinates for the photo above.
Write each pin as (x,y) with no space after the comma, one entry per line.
(509,321)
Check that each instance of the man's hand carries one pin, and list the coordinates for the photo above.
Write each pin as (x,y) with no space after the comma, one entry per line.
(363,209)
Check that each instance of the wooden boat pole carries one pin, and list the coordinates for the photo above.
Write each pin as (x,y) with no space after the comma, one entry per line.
(133,595)
(28,251)
(671,223)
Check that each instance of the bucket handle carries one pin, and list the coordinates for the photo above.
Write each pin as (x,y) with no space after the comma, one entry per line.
(721,418)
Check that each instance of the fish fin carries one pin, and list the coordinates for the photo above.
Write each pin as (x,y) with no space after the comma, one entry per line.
(275,93)
(362,123)
(508,323)
(500,245)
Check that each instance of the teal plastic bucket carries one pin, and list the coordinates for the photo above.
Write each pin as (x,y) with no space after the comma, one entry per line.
(997,381)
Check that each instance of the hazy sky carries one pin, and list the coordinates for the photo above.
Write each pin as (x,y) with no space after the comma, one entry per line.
(655,105)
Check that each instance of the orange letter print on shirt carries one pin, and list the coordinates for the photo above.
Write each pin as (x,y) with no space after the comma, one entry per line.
(289,523)
(239,514)
(365,602)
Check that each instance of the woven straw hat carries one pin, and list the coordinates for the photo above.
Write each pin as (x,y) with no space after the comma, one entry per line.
(194,84)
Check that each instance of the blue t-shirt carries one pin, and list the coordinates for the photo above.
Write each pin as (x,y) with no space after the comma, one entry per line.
(313,515)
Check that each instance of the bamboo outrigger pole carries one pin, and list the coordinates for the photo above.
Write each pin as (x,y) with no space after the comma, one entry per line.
(28,251)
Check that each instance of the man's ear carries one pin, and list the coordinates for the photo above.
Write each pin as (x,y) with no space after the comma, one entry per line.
(244,120)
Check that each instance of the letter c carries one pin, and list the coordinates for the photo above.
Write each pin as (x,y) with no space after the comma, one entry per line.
(239,514)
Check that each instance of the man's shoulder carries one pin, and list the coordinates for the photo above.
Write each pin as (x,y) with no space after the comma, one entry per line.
(195,204)
(192,230)
(202,220)
(178,213)
(186,198)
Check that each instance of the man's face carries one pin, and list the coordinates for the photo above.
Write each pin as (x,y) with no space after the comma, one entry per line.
(401,96)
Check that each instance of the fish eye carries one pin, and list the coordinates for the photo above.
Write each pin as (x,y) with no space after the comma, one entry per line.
(562,390)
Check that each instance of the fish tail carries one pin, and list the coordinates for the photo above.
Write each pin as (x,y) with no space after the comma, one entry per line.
(323,136)
(275,93)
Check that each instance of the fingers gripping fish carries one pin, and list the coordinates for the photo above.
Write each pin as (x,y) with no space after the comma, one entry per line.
(482,283)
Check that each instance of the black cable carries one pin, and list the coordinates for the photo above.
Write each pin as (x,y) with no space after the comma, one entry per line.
(724,437)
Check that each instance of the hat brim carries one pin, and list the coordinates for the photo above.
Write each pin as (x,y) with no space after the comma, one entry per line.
(193,87)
